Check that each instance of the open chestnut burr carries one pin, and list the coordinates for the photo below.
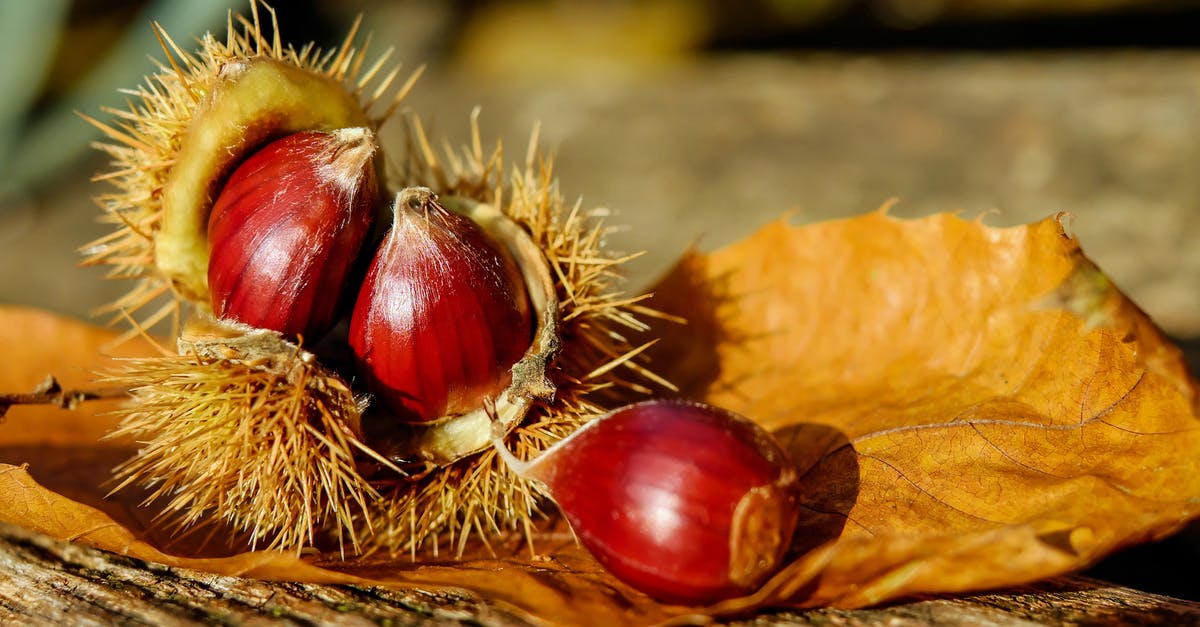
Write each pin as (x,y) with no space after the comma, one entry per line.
(251,207)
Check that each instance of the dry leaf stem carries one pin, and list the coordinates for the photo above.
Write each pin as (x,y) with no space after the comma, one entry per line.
(50,392)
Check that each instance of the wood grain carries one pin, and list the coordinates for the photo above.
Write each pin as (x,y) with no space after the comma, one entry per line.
(44,581)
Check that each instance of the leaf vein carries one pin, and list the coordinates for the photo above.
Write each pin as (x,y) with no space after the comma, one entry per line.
(1113,405)
(1009,457)
(929,494)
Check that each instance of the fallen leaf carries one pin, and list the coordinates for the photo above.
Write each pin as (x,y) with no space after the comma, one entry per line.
(969,407)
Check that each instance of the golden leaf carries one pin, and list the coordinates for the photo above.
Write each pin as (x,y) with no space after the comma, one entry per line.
(970,407)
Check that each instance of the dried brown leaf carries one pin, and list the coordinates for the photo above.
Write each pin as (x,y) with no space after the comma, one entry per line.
(971,407)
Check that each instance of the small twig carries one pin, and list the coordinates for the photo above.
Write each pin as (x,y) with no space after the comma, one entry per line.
(49,392)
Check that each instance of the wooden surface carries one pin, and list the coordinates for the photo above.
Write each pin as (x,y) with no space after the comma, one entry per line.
(44,581)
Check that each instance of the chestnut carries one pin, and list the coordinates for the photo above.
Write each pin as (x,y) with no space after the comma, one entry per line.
(442,315)
(287,229)
(684,501)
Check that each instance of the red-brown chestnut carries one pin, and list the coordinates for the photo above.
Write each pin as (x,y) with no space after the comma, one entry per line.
(686,502)
(286,231)
(442,316)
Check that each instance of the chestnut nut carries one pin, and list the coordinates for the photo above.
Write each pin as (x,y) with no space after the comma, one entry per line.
(442,315)
(684,501)
(287,228)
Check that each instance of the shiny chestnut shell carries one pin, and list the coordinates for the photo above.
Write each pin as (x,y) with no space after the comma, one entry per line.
(686,502)
(287,229)
(442,315)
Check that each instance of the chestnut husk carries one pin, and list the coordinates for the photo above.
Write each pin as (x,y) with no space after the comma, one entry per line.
(187,129)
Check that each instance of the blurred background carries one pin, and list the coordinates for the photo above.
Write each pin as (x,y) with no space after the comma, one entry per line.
(697,122)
